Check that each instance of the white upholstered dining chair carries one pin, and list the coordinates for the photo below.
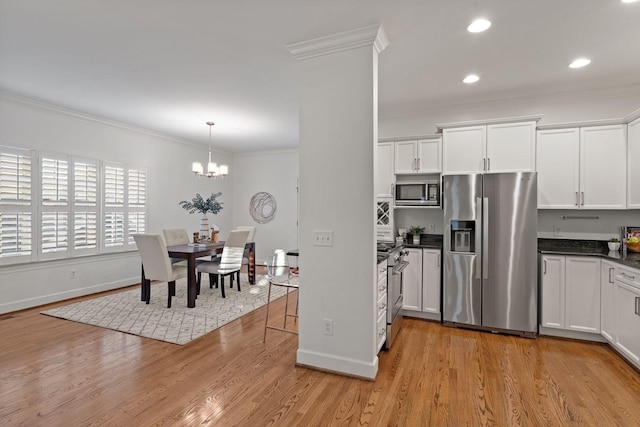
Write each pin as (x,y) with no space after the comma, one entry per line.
(176,236)
(228,264)
(252,234)
(157,266)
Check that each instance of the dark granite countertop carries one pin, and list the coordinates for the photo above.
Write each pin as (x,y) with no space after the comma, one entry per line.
(587,248)
(427,241)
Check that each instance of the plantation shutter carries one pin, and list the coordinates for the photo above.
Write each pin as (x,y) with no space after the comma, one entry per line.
(137,203)
(85,207)
(16,205)
(114,209)
(54,189)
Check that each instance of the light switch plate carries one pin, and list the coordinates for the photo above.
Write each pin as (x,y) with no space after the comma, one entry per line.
(322,238)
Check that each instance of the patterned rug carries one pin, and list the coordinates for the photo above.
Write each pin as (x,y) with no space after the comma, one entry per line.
(123,311)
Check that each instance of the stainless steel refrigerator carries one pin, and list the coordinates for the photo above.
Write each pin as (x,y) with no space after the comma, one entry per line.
(490,252)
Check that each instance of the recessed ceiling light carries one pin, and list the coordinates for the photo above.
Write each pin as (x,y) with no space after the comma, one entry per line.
(471,78)
(628,1)
(478,26)
(579,63)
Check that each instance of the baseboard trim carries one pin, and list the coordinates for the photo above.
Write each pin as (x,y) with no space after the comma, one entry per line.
(338,365)
(62,296)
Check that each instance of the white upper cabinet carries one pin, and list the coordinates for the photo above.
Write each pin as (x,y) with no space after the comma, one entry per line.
(582,168)
(384,170)
(464,150)
(603,171)
(511,147)
(421,156)
(558,152)
(633,165)
(493,148)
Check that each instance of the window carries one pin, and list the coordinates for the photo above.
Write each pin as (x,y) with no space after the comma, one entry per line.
(125,199)
(63,206)
(17,209)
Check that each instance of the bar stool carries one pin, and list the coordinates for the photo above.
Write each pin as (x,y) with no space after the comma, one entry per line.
(279,274)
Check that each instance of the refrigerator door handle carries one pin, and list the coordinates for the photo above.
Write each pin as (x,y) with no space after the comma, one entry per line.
(485,237)
(577,199)
(478,254)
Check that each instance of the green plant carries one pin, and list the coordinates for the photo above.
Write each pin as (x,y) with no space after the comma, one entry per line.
(198,204)
(415,230)
(614,240)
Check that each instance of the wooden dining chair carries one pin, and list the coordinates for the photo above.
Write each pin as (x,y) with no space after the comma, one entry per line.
(157,266)
(228,264)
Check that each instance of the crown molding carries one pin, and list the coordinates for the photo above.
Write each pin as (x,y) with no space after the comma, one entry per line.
(532,118)
(96,119)
(373,35)
(586,123)
(267,152)
(410,138)
(631,117)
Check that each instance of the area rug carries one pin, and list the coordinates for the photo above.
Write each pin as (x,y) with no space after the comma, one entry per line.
(123,311)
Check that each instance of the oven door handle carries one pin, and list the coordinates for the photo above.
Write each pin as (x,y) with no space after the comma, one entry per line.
(399,268)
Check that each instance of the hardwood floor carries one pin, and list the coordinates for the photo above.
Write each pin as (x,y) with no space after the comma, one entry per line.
(55,372)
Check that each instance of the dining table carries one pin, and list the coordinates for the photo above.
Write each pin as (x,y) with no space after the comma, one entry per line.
(191,252)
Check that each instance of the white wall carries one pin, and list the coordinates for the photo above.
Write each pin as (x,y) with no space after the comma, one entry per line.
(33,125)
(338,130)
(276,173)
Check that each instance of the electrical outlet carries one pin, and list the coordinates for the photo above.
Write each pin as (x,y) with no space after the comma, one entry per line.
(556,231)
(322,238)
(432,228)
(72,274)
(328,326)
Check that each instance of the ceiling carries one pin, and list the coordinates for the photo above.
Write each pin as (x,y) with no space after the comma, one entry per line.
(169,66)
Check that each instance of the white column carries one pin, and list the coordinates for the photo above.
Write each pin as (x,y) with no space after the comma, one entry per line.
(338,95)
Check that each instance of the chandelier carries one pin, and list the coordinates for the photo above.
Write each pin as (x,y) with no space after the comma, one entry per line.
(213,170)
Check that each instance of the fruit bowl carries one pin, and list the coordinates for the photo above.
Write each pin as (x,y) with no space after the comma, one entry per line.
(633,247)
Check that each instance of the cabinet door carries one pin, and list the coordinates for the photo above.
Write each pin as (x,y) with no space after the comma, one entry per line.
(627,340)
(553,285)
(431,265)
(608,301)
(429,155)
(412,281)
(464,150)
(633,164)
(384,218)
(406,157)
(384,169)
(582,294)
(511,147)
(558,163)
(603,170)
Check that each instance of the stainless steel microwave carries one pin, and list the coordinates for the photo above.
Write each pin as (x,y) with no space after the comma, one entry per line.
(420,193)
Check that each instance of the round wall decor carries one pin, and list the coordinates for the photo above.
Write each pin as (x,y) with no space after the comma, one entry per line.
(263,207)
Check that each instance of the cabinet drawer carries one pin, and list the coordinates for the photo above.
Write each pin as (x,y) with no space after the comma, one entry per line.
(627,275)
(382,286)
(381,329)
(382,304)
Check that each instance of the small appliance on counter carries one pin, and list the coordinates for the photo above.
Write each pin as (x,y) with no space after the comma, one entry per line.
(625,233)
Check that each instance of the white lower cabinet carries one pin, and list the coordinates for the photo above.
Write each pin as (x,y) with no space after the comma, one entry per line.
(608,323)
(412,281)
(628,313)
(421,281)
(571,293)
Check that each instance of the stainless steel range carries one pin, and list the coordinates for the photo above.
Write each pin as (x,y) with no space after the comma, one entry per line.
(395,265)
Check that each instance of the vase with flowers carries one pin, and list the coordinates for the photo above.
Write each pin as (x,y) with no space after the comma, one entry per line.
(203,206)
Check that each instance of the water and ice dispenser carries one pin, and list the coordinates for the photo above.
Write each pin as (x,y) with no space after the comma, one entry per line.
(463,236)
